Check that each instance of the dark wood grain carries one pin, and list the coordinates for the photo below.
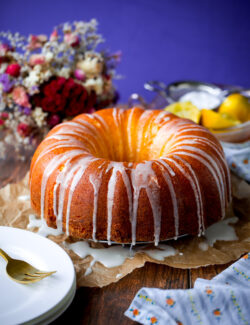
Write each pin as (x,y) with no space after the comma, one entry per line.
(206,272)
(13,171)
(98,306)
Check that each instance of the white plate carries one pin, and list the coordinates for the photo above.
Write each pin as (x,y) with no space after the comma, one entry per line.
(39,302)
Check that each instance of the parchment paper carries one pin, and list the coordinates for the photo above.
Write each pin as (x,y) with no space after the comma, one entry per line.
(15,211)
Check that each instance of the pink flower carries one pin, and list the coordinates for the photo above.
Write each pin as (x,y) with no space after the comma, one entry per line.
(91,110)
(36,59)
(13,69)
(1,122)
(79,75)
(53,36)
(20,97)
(53,120)
(23,129)
(4,48)
(4,115)
(36,41)
(71,39)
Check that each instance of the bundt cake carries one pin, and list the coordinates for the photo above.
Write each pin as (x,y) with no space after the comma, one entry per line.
(129,176)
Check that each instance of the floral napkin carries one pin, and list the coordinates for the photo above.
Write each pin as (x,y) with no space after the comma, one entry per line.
(223,300)
(238,158)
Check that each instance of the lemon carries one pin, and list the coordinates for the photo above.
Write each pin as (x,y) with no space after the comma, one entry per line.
(214,120)
(185,110)
(237,106)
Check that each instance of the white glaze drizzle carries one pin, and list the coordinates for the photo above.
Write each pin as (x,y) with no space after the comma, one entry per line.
(221,231)
(211,170)
(102,121)
(215,166)
(24,197)
(80,123)
(140,128)
(161,252)
(117,119)
(50,168)
(75,180)
(162,116)
(63,180)
(55,146)
(129,126)
(73,140)
(73,175)
(43,229)
(116,255)
(96,183)
(212,145)
(195,128)
(195,187)
(169,182)
(203,246)
(116,167)
(143,176)
(59,180)
(110,200)
(112,256)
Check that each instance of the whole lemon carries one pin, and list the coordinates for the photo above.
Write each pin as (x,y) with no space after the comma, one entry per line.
(237,106)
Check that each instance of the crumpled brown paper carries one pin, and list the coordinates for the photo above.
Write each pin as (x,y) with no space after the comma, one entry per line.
(15,211)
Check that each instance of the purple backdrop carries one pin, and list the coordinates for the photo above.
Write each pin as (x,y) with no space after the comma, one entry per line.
(164,40)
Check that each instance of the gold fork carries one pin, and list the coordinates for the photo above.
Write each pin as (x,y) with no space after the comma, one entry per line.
(21,271)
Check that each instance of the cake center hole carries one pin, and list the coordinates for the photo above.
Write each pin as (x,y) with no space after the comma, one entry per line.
(126,148)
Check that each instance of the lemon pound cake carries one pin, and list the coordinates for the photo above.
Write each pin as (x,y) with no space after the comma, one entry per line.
(128,176)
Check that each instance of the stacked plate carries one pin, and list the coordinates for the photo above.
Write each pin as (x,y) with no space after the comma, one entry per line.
(39,302)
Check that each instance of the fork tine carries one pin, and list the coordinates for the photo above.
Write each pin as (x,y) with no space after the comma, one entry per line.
(29,278)
(33,275)
(40,272)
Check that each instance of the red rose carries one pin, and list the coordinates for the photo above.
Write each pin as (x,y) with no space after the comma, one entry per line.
(64,96)
(13,69)
(48,105)
(91,101)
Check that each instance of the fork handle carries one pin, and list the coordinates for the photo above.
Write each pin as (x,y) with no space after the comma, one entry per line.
(5,255)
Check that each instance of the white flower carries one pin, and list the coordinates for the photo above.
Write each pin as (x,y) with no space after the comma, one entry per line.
(2,104)
(32,79)
(95,84)
(26,140)
(3,67)
(39,116)
(9,138)
(64,72)
(66,27)
(92,64)
(2,150)
(46,75)
(49,56)
(37,68)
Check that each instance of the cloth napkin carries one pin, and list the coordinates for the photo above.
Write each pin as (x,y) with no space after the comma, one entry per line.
(238,158)
(224,300)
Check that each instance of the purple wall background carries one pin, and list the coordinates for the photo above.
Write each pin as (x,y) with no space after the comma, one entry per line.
(161,40)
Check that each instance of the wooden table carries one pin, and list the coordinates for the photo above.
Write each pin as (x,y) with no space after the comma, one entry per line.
(98,306)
